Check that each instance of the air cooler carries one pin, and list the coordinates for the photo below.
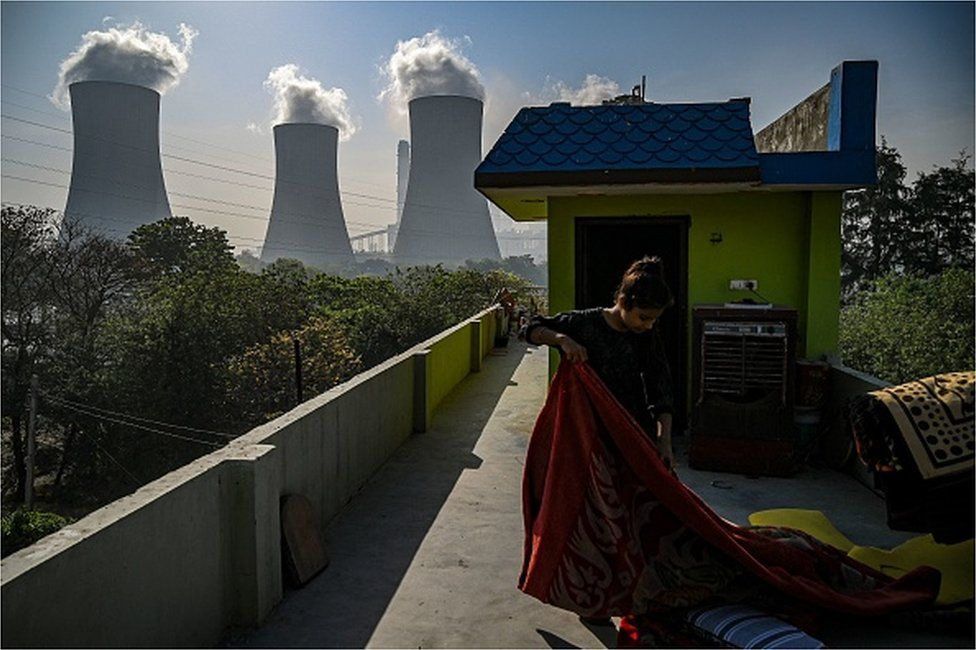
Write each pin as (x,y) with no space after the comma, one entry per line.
(742,420)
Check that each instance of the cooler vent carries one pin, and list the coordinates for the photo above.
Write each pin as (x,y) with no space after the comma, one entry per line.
(744,359)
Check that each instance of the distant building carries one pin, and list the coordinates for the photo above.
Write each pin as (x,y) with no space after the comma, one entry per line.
(523,239)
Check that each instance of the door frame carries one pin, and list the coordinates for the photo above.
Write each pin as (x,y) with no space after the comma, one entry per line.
(682,225)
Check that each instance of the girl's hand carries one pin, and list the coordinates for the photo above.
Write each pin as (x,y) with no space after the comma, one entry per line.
(667,455)
(574,352)
(664,441)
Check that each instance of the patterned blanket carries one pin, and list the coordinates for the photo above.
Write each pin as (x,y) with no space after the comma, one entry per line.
(611,532)
(934,416)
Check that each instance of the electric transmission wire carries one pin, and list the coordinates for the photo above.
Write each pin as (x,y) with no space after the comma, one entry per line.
(134,425)
(238,214)
(169,133)
(135,478)
(22,163)
(285,246)
(136,418)
(312,223)
(374,228)
(441,208)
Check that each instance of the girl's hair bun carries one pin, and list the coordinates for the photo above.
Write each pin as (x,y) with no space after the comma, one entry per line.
(643,285)
(649,265)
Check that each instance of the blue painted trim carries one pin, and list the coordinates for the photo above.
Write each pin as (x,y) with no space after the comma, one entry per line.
(834,114)
(846,168)
(853,106)
(859,105)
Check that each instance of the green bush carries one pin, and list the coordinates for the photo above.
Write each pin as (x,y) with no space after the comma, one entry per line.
(24,527)
(907,327)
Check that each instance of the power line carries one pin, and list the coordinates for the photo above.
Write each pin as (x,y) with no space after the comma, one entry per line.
(203,198)
(192,196)
(107,418)
(233,214)
(170,133)
(165,132)
(338,250)
(441,208)
(285,246)
(316,223)
(110,456)
(35,142)
(136,418)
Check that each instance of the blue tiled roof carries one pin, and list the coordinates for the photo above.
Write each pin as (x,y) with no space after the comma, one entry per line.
(674,137)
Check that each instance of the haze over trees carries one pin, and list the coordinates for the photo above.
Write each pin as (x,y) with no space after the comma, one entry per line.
(156,351)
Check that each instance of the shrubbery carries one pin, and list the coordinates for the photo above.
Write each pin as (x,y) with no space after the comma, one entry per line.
(22,528)
(907,327)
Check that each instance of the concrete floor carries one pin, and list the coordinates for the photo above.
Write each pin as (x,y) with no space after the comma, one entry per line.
(428,554)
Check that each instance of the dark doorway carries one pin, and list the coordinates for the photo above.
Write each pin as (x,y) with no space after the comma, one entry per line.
(605,247)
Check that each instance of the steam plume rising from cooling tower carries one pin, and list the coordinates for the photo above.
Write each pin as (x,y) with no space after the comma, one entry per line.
(429,65)
(593,91)
(131,55)
(299,99)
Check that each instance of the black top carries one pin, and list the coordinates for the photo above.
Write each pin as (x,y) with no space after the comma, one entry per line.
(633,366)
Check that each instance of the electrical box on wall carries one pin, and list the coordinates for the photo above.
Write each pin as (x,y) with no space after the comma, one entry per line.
(743,285)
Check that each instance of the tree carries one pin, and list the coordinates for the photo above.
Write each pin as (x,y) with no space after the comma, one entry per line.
(261,380)
(60,280)
(92,277)
(940,228)
(25,241)
(873,224)
(924,229)
(911,326)
(248,261)
(177,245)
(520,265)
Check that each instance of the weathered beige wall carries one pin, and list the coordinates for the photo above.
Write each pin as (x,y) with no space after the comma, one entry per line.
(197,552)
(802,128)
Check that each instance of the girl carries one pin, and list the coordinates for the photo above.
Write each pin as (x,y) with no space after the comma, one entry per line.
(624,348)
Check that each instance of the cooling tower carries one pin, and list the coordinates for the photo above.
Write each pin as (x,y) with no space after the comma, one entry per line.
(403,175)
(116,176)
(444,218)
(306,214)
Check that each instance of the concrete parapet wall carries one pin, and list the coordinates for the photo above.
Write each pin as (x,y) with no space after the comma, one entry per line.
(197,552)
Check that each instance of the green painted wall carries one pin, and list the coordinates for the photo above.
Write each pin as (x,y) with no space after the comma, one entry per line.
(788,241)
(450,358)
(449,362)
(823,269)
(489,325)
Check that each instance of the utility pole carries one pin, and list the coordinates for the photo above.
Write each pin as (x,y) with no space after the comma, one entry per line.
(298,370)
(31,434)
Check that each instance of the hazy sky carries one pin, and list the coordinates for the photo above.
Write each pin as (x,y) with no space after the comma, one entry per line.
(776,53)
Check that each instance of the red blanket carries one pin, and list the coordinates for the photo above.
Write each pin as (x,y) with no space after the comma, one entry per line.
(611,532)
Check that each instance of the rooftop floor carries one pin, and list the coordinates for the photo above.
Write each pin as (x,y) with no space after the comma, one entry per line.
(428,554)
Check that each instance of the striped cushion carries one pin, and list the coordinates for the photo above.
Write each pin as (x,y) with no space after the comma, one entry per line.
(741,626)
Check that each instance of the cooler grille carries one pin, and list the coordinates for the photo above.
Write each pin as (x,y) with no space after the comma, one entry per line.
(740,359)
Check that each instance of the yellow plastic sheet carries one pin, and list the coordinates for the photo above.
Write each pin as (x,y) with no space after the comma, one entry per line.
(954,561)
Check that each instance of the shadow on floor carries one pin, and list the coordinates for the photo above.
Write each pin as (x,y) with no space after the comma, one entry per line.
(373,541)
